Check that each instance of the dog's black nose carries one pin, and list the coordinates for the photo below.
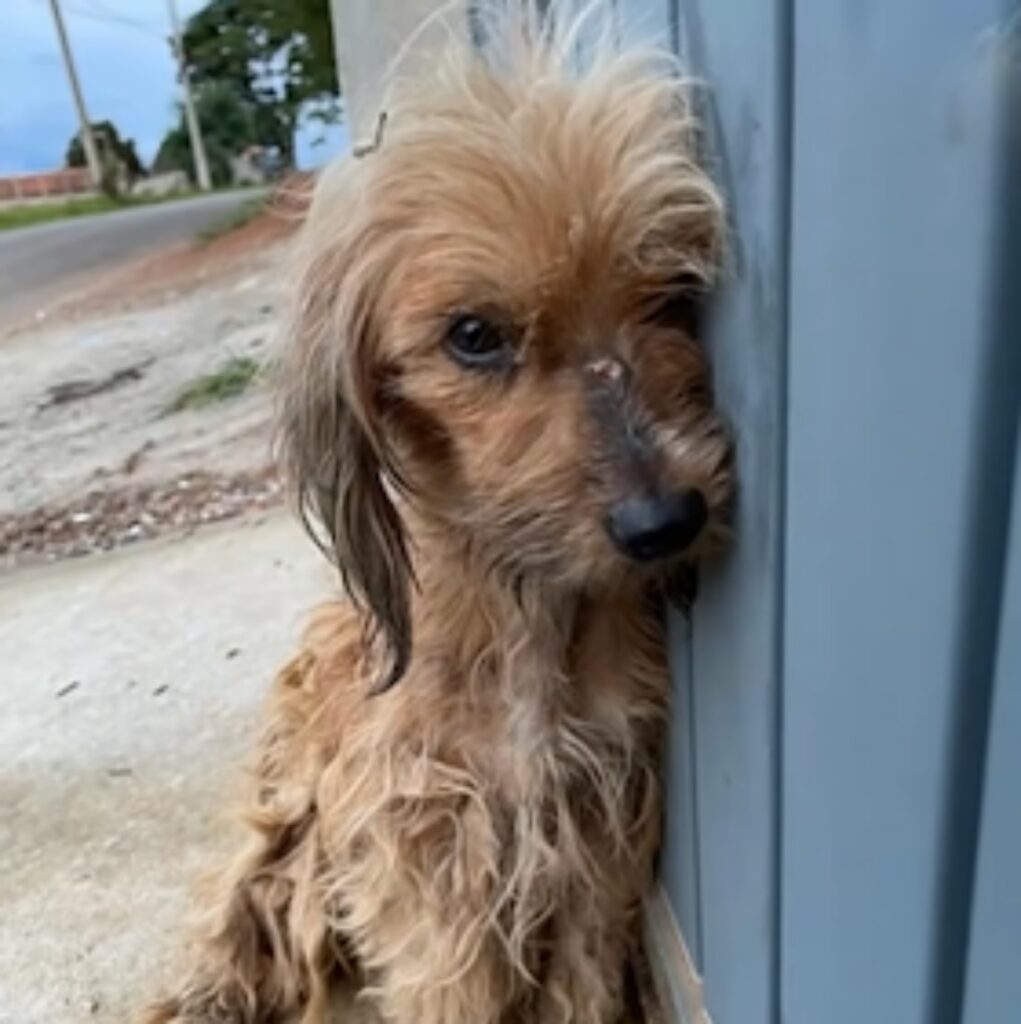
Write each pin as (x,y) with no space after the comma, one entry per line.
(656,526)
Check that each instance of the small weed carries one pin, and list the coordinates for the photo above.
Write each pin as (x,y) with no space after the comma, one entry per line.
(20,215)
(237,218)
(232,379)
(28,214)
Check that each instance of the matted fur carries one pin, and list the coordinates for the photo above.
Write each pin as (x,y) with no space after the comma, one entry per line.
(473,844)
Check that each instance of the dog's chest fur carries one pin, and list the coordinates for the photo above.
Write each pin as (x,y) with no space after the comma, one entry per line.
(494,793)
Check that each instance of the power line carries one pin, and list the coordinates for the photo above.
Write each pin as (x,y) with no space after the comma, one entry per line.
(111,18)
(100,11)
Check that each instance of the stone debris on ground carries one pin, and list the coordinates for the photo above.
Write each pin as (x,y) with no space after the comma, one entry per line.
(107,519)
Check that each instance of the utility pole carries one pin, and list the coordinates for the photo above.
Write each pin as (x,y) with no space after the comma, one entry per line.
(198,149)
(88,141)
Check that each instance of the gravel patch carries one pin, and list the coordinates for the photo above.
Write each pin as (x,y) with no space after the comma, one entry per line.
(106,519)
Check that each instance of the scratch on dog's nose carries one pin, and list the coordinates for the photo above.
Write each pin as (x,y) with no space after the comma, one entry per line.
(607,371)
(616,414)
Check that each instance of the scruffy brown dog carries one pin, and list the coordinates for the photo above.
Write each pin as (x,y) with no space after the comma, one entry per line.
(497,407)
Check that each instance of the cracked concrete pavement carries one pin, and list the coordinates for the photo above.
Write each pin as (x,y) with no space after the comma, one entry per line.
(130,687)
(131,682)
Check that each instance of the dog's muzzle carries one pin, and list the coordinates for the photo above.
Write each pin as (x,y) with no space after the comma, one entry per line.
(650,523)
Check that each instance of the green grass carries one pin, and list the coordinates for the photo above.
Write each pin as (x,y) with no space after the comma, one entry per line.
(232,379)
(25,214)
(232,221)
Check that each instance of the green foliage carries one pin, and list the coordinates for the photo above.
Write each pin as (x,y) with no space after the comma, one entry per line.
(109,143)
(117,156)
(26,214)
(277,55)
(232,379)
(228,127)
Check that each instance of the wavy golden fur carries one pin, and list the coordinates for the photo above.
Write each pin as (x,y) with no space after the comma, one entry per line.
(456,798)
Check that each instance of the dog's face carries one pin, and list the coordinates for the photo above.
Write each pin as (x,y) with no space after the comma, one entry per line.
(546,395)
(500,319)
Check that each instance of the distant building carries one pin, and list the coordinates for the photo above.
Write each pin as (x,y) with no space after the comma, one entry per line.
(161,184)
(255,165)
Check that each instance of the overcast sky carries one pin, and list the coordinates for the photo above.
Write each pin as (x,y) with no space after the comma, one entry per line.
(124,65)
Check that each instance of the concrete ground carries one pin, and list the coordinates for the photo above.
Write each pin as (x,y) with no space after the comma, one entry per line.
(129,687)
(130,683)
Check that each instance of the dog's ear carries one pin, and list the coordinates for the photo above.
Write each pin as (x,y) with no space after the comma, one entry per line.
(332,444)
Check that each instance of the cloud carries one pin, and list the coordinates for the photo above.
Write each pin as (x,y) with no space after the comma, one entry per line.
(127,76)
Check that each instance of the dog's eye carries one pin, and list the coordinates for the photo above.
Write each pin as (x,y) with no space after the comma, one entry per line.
(478,343)
(680,306)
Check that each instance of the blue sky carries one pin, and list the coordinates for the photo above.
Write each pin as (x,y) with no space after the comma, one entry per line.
(126,73)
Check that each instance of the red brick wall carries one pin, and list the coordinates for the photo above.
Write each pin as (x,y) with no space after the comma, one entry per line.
(70,181)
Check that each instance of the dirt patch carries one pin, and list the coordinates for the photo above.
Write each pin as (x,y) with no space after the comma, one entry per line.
(175,271)
(91,457)
(85,403)
(76,390)
(179,270)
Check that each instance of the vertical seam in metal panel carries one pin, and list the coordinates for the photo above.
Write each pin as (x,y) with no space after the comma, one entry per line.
(675,26)
(990,500)
(785,57)
(696,817)
(784,29)
(697,941)
(691,731)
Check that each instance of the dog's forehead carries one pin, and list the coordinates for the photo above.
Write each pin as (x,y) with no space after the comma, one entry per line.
(488,220)
(541,197)
(565,269)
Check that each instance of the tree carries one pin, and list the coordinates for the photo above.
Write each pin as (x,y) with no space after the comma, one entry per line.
(118,156)
(276,54)
(228,127)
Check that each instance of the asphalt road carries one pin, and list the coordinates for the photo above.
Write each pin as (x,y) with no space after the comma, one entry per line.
(36,263)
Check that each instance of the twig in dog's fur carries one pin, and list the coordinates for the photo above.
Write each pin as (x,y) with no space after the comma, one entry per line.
(474,843)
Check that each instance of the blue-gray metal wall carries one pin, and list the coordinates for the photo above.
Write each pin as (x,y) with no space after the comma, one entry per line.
(844,826)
